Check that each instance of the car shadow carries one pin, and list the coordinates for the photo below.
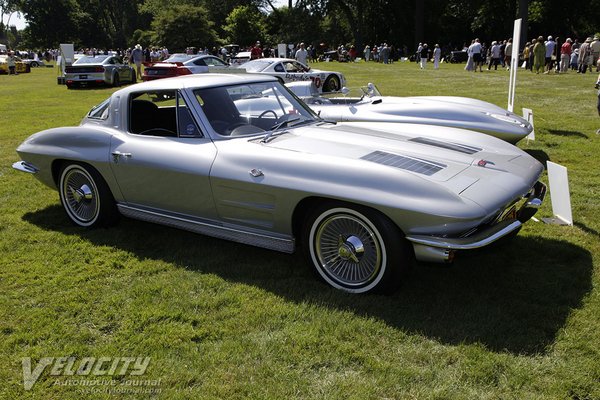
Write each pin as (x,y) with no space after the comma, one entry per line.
(559,132)
(512,297)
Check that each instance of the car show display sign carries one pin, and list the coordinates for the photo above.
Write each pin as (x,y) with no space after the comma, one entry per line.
(528,115)
(559,194)
(66,58)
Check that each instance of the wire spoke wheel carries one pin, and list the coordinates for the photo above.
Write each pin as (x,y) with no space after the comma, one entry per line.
(348,250)
(354,248)
(81,195)
(86,197)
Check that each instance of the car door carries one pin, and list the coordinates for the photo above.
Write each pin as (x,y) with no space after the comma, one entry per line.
(215,64)
(162,163)
(123,70)
(197,66)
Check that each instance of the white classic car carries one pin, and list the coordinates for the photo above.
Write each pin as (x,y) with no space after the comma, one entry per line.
(360,199)
(289,70)
(367,104)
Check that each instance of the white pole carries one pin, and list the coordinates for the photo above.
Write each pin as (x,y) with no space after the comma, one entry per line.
(514,64)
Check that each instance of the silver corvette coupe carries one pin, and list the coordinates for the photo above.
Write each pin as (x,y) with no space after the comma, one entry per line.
(360,199)
(368,105)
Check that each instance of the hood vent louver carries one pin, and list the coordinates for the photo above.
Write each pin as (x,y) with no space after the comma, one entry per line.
(461,148)
(402,162)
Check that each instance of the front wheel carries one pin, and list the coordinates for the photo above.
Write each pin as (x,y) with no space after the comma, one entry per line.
(355,249)
(85,196)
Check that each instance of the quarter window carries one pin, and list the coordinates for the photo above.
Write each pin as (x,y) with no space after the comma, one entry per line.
(161,113)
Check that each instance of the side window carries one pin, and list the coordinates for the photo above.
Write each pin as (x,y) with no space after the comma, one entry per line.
(200,62)
(279,68)
(161,113)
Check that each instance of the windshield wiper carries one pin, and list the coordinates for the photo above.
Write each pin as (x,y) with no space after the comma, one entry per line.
(279,125)
(284,123)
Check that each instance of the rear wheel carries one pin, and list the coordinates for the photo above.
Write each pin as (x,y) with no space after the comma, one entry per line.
(85,196)
(332,84)
(116,82)
(355,249)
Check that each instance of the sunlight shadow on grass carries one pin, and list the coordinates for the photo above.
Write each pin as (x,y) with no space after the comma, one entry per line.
(513,297)
(575,134)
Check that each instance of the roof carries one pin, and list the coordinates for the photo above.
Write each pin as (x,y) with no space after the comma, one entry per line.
(195,81)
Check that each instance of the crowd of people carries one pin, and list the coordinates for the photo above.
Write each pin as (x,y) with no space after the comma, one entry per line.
(540,55)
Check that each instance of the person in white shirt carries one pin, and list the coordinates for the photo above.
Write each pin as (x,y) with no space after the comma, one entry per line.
(550,45)
(475,50)
(437,54)
(301,54)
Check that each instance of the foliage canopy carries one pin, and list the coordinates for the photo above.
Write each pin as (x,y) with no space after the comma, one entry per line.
(205,23)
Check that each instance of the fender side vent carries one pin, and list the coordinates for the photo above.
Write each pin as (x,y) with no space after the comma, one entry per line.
(461,148)
(416,165)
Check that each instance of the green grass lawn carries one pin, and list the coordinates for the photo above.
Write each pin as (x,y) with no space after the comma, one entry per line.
(520,320)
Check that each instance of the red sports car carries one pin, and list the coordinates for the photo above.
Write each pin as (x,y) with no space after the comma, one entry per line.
(183,64)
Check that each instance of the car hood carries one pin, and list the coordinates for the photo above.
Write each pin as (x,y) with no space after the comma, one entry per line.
(458,112)
(481,168)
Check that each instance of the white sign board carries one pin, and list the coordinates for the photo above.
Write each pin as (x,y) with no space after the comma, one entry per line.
(559,194)
(528,116)
(282,50)
(67,56)
(514,64)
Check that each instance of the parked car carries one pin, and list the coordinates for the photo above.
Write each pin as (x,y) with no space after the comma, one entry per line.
(290,70)
(366,104)
(240,58)
(34,63)
(183,64)
(360,199)
(20,66)
(458,56)
(98,70)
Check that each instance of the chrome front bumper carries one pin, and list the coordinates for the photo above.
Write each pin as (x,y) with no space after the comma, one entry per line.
(25,167)
(441,249)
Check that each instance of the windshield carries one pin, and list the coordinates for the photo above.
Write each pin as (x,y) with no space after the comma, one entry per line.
(178,58)
(256,65)
(252,108)
(91,60)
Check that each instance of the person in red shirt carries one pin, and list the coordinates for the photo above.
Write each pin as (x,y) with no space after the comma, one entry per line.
(256,52)
(565,55)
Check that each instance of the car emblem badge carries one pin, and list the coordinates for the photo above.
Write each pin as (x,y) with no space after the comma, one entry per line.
(484,163)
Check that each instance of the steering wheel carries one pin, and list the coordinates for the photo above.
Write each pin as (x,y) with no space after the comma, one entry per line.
(233,126)
(267,112)
(158,132)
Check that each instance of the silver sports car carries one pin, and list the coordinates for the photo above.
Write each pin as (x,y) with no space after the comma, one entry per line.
(367,104)
(98,70)
(360,199)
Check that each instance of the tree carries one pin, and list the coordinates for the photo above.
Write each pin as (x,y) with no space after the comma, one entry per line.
(244,25)
(51,22)
(181,26)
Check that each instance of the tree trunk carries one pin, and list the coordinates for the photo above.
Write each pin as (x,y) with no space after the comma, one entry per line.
(419,21)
